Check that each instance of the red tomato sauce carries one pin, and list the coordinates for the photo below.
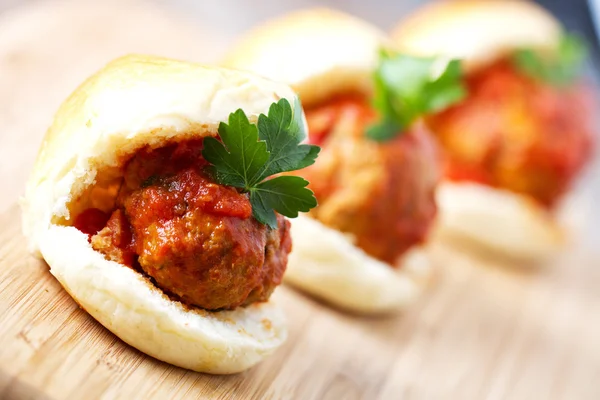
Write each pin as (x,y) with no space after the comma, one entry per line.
(516,133)
(91,221)
(195,238)
(323,119)
(193,187)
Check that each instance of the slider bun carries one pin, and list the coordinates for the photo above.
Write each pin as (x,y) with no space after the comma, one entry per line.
(133,102)
(499,220)
(319,52)
(477,31)
(332,269)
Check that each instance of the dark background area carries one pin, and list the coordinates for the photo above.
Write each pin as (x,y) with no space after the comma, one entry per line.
(576,15)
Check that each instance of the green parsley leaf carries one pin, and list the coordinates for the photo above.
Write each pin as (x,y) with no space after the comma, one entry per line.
(283,130)
(244,157)
(285,194)
(248,154)
(558,69)
(406,88)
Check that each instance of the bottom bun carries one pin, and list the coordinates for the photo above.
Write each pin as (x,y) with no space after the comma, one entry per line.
(497,219)
(325,264)
(127,304)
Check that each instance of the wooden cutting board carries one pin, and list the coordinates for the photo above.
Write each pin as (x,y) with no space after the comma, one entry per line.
(483,330)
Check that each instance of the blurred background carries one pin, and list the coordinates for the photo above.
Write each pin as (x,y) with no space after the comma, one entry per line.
(48,47)
(534,328)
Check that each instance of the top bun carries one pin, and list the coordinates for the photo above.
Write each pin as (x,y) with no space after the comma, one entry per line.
(477,31)
(135,101)
(319,52)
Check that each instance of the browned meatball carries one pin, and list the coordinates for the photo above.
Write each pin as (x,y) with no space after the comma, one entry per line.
(197,239)
(380,192)
(115,240)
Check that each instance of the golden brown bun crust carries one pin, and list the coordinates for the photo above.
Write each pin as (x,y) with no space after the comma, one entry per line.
(133,102)
(477,31)
(318,52)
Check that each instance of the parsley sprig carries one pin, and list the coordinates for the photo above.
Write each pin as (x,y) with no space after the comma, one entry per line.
(249,153)
(407,87)
(558,69)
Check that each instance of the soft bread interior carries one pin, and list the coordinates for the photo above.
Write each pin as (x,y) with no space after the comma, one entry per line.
(477,31)
(497,219)
(326,264)
(131,307)
(319,52)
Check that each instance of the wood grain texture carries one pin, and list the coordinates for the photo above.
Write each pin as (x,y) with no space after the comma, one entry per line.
(482,331)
